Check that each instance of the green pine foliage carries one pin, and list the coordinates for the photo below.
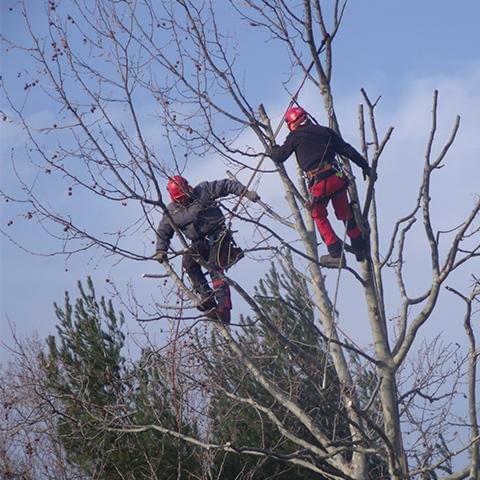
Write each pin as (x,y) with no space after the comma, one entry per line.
(96,394)
(99,395)
(292,353)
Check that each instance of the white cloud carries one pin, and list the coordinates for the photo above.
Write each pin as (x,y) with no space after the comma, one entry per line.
(399,175)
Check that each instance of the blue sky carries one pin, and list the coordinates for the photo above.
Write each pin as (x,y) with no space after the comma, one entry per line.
(399,50)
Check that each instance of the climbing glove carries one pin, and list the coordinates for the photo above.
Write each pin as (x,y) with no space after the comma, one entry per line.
(160,256)
(271,152)
(252,196)
(367,172)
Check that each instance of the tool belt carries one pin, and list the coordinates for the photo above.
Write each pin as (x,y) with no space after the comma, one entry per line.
(320,173)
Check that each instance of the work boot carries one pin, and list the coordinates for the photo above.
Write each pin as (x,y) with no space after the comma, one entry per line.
(335,249)
(329,261)
(224,300)
(211,314)
(359,248)
(207,297)
(334,259)
(219,315)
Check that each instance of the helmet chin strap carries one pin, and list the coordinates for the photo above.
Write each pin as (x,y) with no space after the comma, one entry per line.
(185,200)
(292,126)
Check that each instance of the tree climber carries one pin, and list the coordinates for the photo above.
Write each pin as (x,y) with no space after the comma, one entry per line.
(196,213)
(315,147)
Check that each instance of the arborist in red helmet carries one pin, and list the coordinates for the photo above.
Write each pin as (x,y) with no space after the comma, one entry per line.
(315,147)
(195,211)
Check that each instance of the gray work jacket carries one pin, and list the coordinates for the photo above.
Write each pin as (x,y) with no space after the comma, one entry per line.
(201,216)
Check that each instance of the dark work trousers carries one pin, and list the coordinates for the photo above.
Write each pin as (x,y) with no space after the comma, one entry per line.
(213,251)
(334,189)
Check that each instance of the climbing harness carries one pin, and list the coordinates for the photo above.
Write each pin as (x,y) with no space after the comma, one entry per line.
(228,252)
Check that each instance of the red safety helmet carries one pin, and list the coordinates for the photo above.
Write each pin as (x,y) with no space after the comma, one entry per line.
(294,117)
(178,188)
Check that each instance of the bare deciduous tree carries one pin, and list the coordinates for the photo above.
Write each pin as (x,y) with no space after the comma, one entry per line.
(102,63)
(29,445)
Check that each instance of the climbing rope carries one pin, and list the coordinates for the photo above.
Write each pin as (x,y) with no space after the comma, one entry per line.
(255,171)
(279,127)
(264,155)
(362,222)
(334,307)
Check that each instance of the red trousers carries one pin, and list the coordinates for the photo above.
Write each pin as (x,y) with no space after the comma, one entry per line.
(332,188)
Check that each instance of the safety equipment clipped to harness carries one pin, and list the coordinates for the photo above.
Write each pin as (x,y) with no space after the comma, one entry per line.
(228,253)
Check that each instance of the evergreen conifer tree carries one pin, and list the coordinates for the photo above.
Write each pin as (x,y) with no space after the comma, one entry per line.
(242,409)
(97,394)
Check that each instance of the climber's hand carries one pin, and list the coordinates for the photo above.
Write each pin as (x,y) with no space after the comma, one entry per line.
(160,256)
(367,172)
(252,196)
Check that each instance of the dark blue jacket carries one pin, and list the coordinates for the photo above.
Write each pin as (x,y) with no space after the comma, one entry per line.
(315,146)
